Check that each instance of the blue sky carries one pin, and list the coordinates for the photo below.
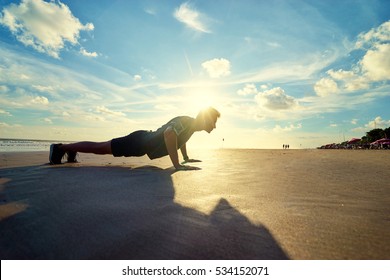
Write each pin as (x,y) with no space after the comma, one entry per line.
(303,73)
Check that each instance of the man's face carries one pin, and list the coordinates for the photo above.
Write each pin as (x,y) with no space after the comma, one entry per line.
(210,124)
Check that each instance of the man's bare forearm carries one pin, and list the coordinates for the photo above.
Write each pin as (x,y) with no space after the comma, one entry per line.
(183,150)
(170,139)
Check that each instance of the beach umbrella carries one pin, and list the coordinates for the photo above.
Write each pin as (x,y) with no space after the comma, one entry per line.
(381,141)
(353,140)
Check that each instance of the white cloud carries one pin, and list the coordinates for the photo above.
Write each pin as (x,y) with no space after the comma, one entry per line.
(264,87)
(40,100)
(351,80)
(40,88)
(88,27)
(375,35)
(137,78)
(341,74)
(150,11)
(3,112)
(88,54)
(249,89)
(357,84)
(47,120)
(274,44)
(376,63)
(191,18)
(325,87)
(104,110)
(288,128)
(374,66)
(45,26)
(276,99)
(217,68)
(378,122)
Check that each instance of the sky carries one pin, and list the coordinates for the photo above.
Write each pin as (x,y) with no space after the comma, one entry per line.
(303,73)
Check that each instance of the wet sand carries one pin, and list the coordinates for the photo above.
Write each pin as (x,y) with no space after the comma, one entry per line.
(242,204)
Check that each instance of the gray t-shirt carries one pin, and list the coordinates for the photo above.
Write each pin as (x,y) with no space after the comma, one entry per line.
(183,126)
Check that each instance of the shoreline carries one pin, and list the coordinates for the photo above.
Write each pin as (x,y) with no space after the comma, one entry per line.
(20,158)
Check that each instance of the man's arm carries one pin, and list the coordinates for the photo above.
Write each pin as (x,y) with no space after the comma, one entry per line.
(186,159)
(183,150)
(170,139)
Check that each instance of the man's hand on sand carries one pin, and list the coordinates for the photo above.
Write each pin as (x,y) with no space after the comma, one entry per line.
(190,160)
(187,167)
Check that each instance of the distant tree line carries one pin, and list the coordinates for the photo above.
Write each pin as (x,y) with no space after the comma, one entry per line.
(364,143)
(375,134)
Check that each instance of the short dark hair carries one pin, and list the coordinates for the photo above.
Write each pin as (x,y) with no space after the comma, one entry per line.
(210,113)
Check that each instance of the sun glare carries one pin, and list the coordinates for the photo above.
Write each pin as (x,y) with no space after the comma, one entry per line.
(202,95)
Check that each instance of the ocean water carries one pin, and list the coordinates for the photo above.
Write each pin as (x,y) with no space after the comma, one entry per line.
(25,145)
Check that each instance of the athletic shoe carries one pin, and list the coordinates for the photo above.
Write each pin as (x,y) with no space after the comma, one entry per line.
(56,154)
(72,157)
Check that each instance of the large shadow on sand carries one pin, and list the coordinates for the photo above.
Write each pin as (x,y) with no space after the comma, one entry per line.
(118,213)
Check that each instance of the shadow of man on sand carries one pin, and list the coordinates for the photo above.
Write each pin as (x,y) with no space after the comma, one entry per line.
(119,213)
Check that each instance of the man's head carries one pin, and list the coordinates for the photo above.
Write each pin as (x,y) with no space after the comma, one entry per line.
(207,118)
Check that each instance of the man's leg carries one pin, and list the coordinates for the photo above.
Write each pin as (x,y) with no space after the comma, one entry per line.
(57,151)
(100,148)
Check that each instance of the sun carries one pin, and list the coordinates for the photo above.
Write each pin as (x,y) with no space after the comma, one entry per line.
(201,95)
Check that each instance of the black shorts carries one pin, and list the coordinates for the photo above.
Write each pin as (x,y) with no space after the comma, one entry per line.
(132,145)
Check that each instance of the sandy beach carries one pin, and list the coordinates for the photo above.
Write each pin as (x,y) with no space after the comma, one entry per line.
(242,204)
